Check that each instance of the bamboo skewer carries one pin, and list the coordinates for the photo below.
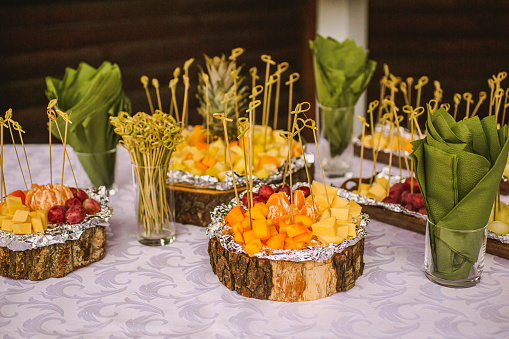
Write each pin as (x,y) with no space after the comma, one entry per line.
(482,97)
(468,98)
(228,158)
(372,106)
(306,166)
(155,83)
(457,99)
(364,125)
(281,68)
(505,105)
(267,59)
(144,81)
(207,100)
(491,84)
(293,78)
(383,83)
(420,83)
(254,76)
(272,81)
(185,107)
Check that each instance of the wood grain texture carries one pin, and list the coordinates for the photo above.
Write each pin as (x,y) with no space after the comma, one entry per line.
(414,224)
(55,260)
(285,280)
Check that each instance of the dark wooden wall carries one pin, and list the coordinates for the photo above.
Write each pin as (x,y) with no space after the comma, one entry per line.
(459,43)
(152,37)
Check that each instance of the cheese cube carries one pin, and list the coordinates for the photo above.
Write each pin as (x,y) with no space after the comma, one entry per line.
(382,181)
(13,200)
(342,231)
(37,225)
(376,190)
(352,230)
(6,224)
(22,229)
(339,202)
(325,227)
(319,189)
(321,202)
(20,216)
(44,216)
(340,213)
(355,208)
(12,209)
(329,240)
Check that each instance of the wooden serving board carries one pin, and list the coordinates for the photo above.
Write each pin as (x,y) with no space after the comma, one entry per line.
(55,260)
(414,224)
(285,280)
(193,204)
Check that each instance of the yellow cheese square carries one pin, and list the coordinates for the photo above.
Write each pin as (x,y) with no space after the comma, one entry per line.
(12,200)
(12,209)
(22,229)
(324,215)
(20,216)
(44,216)
(320,188)
(321,202)
(6,224)
(328,240)
(355,208)
(340,213)
(382,181)
(339,202)
(352,232)
(325,227)
(37,225)
(376,190)
(342,231)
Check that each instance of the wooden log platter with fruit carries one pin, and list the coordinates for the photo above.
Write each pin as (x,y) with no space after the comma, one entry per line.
(32,221)
(194,204)
(264,253)
(411,222)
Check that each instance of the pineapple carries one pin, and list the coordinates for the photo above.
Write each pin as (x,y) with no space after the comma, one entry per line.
(221,82)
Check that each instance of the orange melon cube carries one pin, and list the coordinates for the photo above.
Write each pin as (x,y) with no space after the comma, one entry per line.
(200,166)
(209,160)
(307,221)
(253,246)
(263,208)
(291,244)
(237,227)
(277,242)
(202,146)
(296,229)
(246,224)
(272,230)
(248,236)
(261,229)
(235,215)
(256,213)
(239,238)
(304,237)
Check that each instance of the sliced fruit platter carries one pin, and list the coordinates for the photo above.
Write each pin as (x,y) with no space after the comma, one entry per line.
(50,230)
(210,158)
(401,205)
(291,245)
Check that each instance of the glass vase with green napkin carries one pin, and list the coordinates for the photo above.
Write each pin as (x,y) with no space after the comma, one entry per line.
(458,168)
(342,73)
(90,97)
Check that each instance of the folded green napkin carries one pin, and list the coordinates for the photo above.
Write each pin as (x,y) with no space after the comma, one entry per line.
(90,96)
(342,73)
(458,168)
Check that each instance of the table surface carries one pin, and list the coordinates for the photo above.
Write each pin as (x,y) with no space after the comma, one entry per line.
(171,291)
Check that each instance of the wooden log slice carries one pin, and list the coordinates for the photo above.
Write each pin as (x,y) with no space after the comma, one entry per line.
(285,280)
(193,205)
(415,224)
(55,260)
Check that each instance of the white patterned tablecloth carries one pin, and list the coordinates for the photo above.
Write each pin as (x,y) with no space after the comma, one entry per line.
(170,291)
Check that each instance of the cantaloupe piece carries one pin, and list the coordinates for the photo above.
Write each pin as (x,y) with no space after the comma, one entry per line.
(239,238)
(253,246)
(304,237)
(307,221)
(296,229)
(248,236)
(272,230)
(235,215)
(263,208)
(277,242)
(292,244)
(256,214)
(261,229)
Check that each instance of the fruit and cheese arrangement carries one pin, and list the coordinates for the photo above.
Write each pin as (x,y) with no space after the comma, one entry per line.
(47,230)
(286,242)
(275,223)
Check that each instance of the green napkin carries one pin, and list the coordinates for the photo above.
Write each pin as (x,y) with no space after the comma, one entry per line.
(458,168)
(90,96)
(342,73)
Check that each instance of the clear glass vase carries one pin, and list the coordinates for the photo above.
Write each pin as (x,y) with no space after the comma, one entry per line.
(154,205)
(98,168)
(335,128)
(454,257)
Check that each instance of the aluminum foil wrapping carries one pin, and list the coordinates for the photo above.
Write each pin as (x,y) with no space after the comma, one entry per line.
(61,233)
(386,130)
(315,253)
(360,199)
(207,181)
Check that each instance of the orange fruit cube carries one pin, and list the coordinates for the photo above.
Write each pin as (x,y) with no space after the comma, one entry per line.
(292,244)
(200,165)
(248,236)
(209,160)
(261,229)
(267,159)
(277,242)
(202,146)
(304,237)
(253,246)
(239,238)
(272,230)
(256,213)
(296,229)
(235,215)
(246,224)
(262,207)
(307,221)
